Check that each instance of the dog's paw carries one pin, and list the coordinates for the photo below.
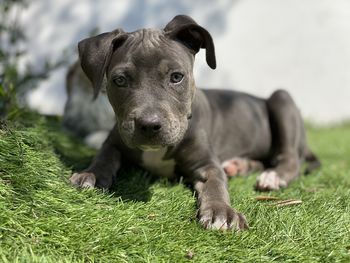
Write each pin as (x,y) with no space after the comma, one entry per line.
(83,180)
(218,215)
(235,167)
(241,167)
(269,181)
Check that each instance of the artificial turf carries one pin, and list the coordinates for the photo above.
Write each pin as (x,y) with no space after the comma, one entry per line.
(147,219)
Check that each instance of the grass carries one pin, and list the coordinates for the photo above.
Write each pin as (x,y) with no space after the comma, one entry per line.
(44,219)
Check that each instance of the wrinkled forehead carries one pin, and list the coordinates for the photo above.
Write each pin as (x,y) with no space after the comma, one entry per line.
(151,47)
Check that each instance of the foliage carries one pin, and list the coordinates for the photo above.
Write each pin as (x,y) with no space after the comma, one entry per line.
(16,82)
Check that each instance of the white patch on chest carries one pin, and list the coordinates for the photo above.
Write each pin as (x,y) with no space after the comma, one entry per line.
(153,162)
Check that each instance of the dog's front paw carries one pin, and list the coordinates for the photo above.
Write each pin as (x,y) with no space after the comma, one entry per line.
(83,180)
(269,181)
(218,215)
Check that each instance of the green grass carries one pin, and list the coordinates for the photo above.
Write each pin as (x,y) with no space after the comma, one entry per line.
(44,219)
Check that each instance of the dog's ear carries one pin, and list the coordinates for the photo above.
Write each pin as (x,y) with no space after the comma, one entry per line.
(95,55)
(185,30)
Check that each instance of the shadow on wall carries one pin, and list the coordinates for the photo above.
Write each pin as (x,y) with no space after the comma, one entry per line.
(59,25)
(84,16)
(158,13)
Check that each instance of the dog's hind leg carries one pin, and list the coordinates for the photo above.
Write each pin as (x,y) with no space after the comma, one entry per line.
(312,162)
(288,142)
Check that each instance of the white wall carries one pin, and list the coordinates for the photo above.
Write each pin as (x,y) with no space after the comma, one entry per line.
(300,45)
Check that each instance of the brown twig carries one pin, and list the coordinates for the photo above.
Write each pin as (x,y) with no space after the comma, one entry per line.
(287,203)
(265,198)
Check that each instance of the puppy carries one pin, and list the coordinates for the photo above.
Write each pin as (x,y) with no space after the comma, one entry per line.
(166,125)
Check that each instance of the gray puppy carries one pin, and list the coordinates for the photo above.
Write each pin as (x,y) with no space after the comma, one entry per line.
(168,127)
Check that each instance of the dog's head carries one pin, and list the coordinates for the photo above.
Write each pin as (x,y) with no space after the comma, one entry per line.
(149,77)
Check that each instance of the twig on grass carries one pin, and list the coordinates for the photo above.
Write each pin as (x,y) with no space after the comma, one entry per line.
(265,198)
(279,203)
(286,203)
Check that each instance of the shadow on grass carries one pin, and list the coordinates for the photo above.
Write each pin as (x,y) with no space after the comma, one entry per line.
(70,149)
(133,184)
(130,184)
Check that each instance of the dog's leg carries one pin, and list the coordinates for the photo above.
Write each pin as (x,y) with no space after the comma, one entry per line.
(102,169)
(289,139)
(215,211)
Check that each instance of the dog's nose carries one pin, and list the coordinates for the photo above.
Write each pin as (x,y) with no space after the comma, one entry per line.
(149,125)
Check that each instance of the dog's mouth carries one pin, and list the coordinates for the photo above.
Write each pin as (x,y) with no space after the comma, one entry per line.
(145,141)
(150,148)
(151,143)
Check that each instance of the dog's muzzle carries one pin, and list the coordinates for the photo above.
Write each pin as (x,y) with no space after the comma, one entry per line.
(152,131)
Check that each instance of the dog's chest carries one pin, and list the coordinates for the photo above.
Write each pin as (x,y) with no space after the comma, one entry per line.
(154,162)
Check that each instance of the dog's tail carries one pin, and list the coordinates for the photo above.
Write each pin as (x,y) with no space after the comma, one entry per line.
(312,162)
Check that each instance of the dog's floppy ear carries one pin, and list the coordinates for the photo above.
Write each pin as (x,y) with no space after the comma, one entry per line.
(95,55)
(185,30)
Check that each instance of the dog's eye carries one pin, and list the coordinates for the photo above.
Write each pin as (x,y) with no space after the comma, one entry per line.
(176,77)
(120,81)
